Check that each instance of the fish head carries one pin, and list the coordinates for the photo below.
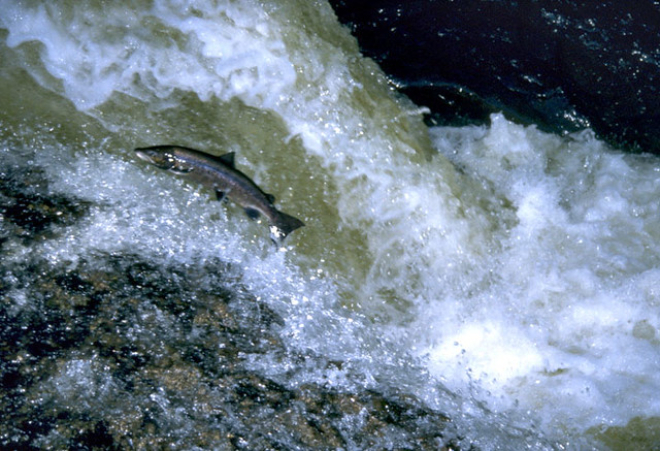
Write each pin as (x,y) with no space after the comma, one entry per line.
(162,157)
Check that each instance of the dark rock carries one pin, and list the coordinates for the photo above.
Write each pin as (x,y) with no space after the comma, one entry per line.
(29,212)
(122,352)
(562,65)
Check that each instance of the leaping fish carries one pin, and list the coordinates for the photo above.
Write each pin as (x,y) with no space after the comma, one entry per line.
(220,174)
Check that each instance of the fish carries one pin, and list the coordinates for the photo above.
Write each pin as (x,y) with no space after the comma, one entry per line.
(219,174)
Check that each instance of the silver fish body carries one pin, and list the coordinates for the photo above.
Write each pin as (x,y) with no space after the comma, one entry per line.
(221,175)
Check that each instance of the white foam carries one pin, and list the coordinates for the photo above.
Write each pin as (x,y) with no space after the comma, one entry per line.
(554,329)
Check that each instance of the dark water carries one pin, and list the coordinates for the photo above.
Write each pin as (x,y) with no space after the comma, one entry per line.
(561,65)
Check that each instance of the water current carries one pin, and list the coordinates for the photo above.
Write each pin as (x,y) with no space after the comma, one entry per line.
(505,277)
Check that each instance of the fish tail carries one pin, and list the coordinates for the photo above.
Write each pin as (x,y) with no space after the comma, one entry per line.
(287,223)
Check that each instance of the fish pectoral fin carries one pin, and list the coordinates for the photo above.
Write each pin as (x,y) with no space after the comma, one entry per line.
(180,170)
(270,198)
(252,213)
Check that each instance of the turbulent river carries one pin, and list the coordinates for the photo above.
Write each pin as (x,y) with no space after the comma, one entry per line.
(504,279)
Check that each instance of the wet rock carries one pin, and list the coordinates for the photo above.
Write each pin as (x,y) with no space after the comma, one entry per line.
(121,352)
(103,362)
(28,211)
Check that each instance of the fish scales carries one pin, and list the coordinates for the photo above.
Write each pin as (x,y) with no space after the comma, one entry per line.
(221,175)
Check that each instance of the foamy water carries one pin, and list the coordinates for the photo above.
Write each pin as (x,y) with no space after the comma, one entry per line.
(507,277)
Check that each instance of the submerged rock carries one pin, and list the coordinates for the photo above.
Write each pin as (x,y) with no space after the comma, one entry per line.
(119,351)
(28,212)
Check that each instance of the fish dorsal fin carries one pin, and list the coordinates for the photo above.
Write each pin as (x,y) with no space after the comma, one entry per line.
(227,159)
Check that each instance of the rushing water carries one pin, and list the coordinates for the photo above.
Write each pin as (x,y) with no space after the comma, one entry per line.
(503,276)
